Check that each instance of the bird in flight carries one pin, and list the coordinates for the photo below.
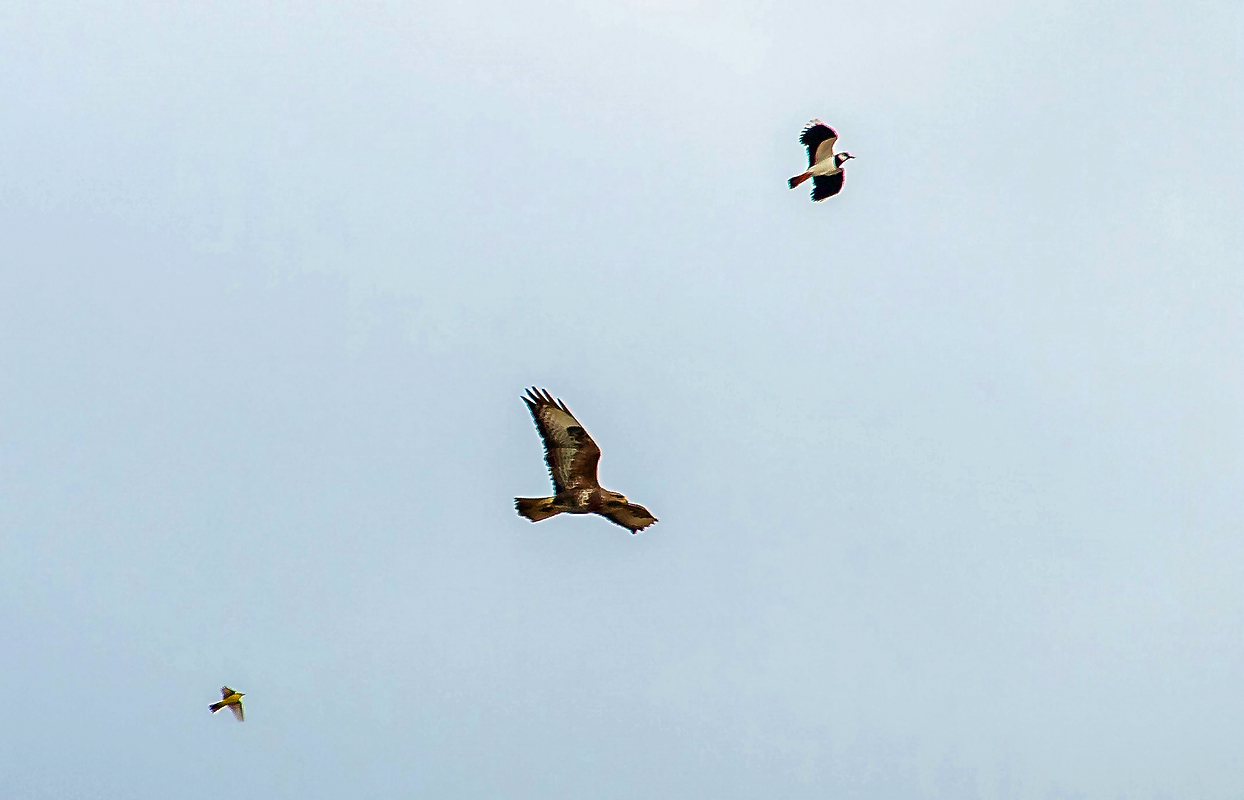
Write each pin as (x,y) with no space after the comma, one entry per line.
(231,698)
(572,457)
(824,165)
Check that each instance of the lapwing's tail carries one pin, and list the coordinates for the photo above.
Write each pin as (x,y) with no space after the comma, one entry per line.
(798,179)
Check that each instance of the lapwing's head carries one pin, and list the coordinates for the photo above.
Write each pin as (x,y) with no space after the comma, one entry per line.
(843,158)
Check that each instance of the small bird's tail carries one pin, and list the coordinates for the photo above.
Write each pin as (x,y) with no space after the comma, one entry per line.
(798,179)
(216,707)
(535,508)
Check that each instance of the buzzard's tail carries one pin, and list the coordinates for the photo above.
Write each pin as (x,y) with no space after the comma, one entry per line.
(798,179)
(216,707)
(535,508)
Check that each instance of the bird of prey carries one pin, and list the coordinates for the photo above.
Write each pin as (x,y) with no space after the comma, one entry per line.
(572,457)
(232,699)
(824,165)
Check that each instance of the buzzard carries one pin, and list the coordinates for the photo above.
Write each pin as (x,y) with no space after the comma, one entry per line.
(572,457)
(824,166)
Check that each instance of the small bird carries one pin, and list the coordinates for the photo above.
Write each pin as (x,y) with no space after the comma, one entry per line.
(824,165)
(572,457)
(231,698)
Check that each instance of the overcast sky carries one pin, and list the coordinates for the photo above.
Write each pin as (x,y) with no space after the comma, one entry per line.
(948,467)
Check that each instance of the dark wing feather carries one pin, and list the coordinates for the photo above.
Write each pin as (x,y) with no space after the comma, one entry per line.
(827,186)
(814,136)
(631,516)
(571,454)
(225,691)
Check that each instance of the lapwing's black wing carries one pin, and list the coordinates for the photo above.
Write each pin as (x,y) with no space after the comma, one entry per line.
(819,138)
(827,186)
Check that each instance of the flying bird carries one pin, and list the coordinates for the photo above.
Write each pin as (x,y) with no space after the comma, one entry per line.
(232,699)
(572,457)
(824,165)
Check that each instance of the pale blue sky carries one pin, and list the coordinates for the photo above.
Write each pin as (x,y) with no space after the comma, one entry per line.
(948,467)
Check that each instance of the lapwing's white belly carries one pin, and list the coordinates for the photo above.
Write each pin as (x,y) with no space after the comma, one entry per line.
(826,167)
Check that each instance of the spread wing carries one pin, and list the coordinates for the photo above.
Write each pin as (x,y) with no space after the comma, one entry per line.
(571,454)
(236,708)
(827,186)
(225,691)
(819,138)
(631,516)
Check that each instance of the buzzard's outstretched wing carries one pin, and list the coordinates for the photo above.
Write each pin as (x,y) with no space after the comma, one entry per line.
(819,138)
(631,516)
(571,454)
(827,186)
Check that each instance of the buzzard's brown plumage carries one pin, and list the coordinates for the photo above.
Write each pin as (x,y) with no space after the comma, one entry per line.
(572,457)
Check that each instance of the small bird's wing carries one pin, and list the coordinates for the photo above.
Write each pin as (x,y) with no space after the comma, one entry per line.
(225,691)
(827,186)
(236,708)
(571,454)
(631,516)
(819,138)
